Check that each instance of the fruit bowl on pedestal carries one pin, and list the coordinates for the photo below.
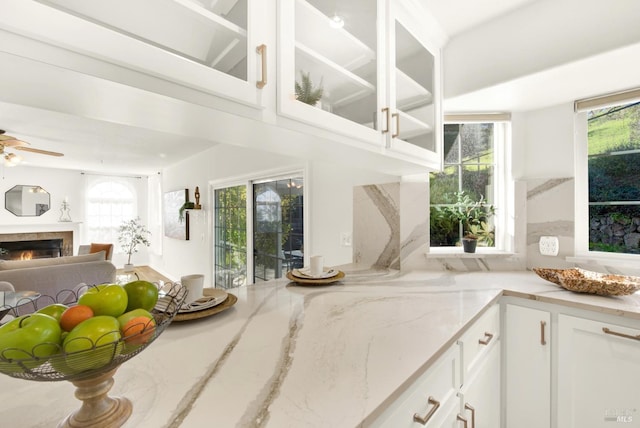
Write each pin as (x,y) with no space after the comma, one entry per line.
(91,370)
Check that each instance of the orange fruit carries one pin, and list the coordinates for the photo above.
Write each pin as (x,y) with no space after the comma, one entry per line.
(138,330)
(74,315)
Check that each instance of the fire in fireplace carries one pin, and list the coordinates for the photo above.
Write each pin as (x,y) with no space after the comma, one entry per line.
(34,249)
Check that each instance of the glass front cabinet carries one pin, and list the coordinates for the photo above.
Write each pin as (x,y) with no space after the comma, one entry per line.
(365,69)
(212,46)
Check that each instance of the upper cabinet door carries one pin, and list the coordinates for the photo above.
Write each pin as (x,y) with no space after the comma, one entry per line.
(209,45)
(329,65)
(414,85)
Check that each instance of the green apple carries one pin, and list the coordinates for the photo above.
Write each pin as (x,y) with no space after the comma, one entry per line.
(55,310)
(128,316)
(109,299)
(142,294)
(93,343)
(26,337)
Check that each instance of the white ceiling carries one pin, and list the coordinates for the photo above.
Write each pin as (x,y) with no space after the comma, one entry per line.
(102,146)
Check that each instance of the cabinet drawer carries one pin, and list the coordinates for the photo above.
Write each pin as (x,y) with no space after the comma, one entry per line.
(431,397)
(475,342)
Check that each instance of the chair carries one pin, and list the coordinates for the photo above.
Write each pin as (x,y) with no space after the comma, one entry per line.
(6,286)
(95,248)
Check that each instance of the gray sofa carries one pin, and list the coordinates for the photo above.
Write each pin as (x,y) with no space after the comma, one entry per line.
(49,276)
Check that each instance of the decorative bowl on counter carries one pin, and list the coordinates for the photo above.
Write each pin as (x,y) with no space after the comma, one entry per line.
(91,370)
(584,281)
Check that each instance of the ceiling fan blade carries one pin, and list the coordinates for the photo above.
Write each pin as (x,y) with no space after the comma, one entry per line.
(40,151)
(9,141)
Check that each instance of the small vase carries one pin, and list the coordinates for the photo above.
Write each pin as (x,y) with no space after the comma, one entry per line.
(469,245)
(128,267)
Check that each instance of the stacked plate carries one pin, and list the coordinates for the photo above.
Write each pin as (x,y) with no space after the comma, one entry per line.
(213,301)
(303,276)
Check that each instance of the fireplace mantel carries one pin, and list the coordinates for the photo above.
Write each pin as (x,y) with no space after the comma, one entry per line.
(73,227)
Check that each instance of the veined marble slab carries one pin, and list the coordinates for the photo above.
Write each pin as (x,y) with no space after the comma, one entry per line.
(291,356)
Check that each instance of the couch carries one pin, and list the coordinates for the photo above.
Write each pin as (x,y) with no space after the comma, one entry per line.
(49,276)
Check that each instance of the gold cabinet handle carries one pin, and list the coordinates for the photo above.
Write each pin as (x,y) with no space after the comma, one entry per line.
(397,117)
(487,338)
(262,51)
(386,112)
(462,419)
(424,419)
(615,333)
(543,340)
(468,406)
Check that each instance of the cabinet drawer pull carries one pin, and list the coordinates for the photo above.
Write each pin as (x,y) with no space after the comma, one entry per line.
(468,406)
(615,333)
(386,112)
(487,338)
(462,419)
(397,117)
(262,50)
(424,419)
(543,341)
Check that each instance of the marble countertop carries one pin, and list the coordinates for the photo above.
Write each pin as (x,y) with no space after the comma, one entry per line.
(292,356)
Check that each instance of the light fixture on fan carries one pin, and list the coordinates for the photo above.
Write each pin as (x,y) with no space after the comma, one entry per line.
(11,159)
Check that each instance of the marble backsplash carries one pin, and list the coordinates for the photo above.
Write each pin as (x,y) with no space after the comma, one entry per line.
(391,225)
(391,221)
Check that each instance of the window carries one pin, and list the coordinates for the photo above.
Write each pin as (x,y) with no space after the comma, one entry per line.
(472,180)
(110,201)
(612,173)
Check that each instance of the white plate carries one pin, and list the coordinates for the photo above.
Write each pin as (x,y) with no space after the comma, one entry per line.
(306,273)
(213,297)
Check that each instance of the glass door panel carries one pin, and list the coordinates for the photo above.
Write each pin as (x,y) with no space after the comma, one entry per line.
(278,234)
(335,58)
(414,120)
(210,33)
(230,240)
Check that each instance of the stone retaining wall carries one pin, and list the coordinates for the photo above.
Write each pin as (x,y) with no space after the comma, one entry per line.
(616,231)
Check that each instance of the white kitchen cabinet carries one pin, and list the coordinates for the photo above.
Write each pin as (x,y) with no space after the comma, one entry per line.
(462,386)
(480,390)
(527,371)
(598,374)
(379,72)
(413,110)
(431,400)
(214,47)
(480,395)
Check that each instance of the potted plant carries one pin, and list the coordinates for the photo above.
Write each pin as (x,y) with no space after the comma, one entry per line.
(131,234)
(474,216)
(306,92)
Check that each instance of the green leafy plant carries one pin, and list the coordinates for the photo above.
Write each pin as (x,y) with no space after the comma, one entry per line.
(131,234)
(305,91)
(474,216)
(186,206)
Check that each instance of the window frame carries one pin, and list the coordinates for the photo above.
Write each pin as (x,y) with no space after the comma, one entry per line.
(249,180)
(581,152)
(503,186)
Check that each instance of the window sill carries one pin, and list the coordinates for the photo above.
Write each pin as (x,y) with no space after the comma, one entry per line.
(628,261)
(457,252)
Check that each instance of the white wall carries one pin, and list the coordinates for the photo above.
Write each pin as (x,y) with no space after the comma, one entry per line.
(330,203)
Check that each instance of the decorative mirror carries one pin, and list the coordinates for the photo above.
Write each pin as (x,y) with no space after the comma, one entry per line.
(25,201)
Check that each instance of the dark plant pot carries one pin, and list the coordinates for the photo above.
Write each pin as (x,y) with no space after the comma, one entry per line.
(469,245)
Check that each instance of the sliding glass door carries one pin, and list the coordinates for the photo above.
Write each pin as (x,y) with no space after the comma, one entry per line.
(230,241)
(278,237)
(273,210)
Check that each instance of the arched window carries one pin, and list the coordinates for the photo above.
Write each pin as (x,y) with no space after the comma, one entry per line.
(110,201)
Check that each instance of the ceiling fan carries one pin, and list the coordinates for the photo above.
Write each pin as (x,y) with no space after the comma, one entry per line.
(12,159)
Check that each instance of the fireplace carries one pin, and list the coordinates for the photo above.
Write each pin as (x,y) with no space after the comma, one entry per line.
(35,245)
(32,249)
